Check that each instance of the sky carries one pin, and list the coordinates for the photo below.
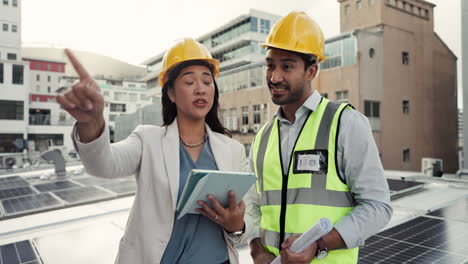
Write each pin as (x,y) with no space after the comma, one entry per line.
(135,30)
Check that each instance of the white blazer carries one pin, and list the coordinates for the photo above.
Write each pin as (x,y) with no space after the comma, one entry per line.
(152,154)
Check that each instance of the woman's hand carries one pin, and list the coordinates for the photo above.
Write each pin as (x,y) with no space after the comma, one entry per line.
(84,102)
(230,218)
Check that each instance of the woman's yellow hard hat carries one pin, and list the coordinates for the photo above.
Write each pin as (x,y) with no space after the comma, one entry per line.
(185,50)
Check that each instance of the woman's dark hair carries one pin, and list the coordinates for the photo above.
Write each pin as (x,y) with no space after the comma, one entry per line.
(169,109)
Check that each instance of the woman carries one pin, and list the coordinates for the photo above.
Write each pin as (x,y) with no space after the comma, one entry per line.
(161,158)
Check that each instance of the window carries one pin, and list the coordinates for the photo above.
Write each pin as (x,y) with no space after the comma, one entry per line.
(43,141)
(144,97)
(256,113)
(405,58)
(62,116)
(49,67)
(48,78)
(11,143)
(405,106)
(233,119)
(133,97)
(120,96)
(342,96)
(11,56)
(358,4)
(37,66)
(113,117)
(253,24)
(1,72)
(371,52)
(38,77)
(106,93)
(15,3)
(38,88)
(14,28)
(340,52)
(230,33)
(48,89)
(245,115)
(11,110)
(5,2)
(117,107)
(372,111)
(346,10)
(40,117)
(264,26)
(18,74)
(406,155)
(5,27)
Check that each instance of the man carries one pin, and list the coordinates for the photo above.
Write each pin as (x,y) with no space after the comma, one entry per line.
(315,159)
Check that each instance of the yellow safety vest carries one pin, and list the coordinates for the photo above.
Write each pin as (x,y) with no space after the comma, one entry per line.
(290,204)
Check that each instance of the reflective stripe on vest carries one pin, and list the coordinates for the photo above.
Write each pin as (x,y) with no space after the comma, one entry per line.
(309,196)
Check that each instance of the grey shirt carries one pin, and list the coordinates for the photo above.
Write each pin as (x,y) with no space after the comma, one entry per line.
(358,162)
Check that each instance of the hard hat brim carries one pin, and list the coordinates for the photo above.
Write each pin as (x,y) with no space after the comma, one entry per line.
(275,46)
(213,62)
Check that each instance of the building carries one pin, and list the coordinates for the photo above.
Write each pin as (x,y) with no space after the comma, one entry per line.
(14,84)
(387,49)
(391,65)
(120,96)
(464,38)
(49,126)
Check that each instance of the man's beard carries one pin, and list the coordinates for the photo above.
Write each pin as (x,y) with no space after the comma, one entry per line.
(293,96)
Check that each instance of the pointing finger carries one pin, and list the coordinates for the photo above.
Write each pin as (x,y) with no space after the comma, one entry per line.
(77,65)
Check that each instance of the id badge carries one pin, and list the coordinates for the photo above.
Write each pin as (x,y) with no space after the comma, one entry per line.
(311,161)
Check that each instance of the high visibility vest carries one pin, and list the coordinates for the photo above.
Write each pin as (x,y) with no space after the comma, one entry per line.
(290,204)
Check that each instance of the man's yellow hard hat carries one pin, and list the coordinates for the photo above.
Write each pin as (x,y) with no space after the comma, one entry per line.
(297,32)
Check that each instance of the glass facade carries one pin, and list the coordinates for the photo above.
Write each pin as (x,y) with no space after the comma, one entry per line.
(237,52)
(154,66)
(247,78)
(264,26)
(233,32)
(340,52)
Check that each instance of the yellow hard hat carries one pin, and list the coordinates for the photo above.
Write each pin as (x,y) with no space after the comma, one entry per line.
(185,50)
(297,32)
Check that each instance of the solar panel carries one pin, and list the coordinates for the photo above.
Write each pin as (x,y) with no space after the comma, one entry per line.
(55,186)
(20,191)
(456,211)
(399,188)
(83,194)
(29,203)
(12,182)
(421,240)
(19,253)
(88,181)
(120,187)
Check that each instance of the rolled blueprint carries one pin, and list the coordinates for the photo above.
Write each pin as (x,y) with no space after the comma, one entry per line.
(321,228)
